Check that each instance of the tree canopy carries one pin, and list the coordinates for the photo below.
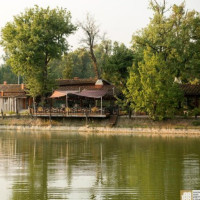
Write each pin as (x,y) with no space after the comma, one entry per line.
(117,65)
(167,49)
(32,40)
(6,74)
(73,64)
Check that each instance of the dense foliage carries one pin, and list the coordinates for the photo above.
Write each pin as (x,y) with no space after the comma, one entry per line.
(163,54)
(117,65)
(32,40)
(167,49)
(74,64)
(7,75)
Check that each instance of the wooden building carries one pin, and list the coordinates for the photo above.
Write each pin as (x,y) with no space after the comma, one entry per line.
(90,84)
(80,97)
(192,95)
(13,97)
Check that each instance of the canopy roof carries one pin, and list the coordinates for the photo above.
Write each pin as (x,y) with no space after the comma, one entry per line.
(85,93)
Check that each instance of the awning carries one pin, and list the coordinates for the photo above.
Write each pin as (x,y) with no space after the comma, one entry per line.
(92,93)
(57,94)
(85,93)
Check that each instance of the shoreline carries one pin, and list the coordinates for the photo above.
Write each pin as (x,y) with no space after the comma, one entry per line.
(171,132)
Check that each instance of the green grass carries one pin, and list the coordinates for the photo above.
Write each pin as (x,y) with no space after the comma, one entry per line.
(121,123)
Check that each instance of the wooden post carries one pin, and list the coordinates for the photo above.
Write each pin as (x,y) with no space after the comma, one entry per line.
(18,115)
(86,118)
(67,106)
(101,105)
(196,102)
(2,114)
(50,113)
(66,101)
(34,108)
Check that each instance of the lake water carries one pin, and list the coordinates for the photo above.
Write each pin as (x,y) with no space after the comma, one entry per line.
(43,165)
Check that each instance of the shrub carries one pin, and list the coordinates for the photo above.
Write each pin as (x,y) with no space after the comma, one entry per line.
(196,123)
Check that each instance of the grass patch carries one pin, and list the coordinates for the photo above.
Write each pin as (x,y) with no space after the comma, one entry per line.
(122,122)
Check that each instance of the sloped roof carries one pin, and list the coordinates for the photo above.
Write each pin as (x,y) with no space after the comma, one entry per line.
(12,90)
(80,82)
(109,88)
(85,93)
(58,94)
(85,84)
(190,90)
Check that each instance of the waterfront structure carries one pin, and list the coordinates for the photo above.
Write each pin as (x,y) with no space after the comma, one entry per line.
(13,97)
(192,95)
(80,97)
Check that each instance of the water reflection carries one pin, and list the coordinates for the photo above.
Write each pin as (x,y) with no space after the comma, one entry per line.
(72,166)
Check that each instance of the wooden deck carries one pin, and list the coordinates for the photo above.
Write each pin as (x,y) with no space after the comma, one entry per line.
(72,114)
(54,115)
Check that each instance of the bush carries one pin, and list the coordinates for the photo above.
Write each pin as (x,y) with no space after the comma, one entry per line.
(196,112)
(196,123)
(11,112)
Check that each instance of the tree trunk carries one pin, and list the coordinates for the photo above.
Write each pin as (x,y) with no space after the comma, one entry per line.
(34,107)
(129,113)
(94,63)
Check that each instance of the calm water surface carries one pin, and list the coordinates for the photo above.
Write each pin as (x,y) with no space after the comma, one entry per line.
(38,166)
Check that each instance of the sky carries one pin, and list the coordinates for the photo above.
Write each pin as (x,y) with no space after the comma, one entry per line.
(119,19)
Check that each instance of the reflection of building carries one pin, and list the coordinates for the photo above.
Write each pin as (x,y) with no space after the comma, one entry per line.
(13,97)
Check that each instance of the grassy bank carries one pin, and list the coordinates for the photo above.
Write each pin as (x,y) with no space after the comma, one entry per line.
(177,123)
(123,122)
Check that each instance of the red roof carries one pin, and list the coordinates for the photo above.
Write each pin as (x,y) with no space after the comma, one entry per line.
(85,93)
(12,90)
(66,85)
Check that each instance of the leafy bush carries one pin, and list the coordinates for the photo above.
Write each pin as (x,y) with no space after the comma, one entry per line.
(196,123)
(196,112)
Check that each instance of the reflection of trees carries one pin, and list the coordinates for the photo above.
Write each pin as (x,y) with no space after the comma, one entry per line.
(118,167)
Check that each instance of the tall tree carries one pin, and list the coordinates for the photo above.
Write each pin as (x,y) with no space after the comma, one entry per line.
(6,74)
(175,35)
(117,65)
(91,35)
(73,64)
(32,40)
(152,89)
(166,49)
(103,51)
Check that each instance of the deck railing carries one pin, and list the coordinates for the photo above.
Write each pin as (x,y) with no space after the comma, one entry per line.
(69,111)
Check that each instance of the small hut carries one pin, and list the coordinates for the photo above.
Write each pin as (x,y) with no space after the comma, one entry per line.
(13,97)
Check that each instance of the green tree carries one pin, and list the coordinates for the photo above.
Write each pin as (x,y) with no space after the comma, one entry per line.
(117,65)
(32,40)
(74,64)
(83,66)
(152,89)
(176,36)
(6,74)
(166,49)
(103,51)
